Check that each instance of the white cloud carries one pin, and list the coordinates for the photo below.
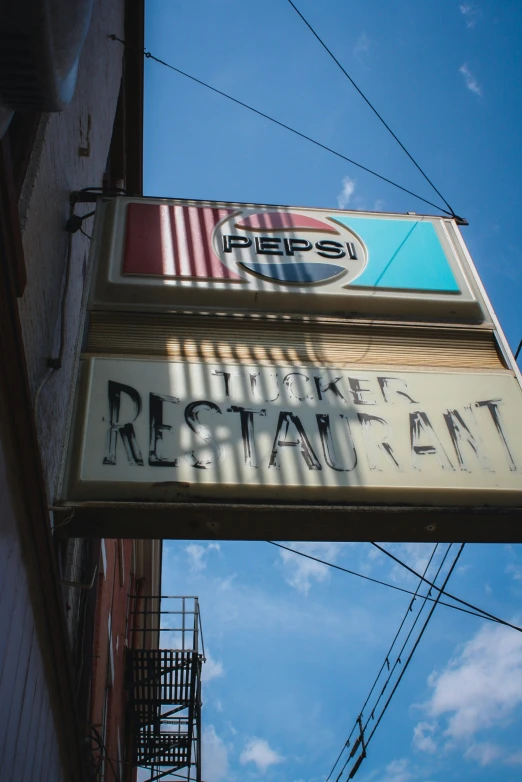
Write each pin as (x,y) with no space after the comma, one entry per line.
(415,555)
(514,760)
(214,755)
(480,689)
(212,669)
(198,554)
(515,571)
(301,571)
(347,191)
(484,752)
(362,46)
(514,566)
(423,737)
(471,14)
(398,771)
(259,751)
(471,82)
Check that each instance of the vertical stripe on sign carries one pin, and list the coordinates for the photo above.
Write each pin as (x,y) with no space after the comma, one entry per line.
(166,240)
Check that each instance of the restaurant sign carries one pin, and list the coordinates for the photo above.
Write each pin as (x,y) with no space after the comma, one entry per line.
(169,431)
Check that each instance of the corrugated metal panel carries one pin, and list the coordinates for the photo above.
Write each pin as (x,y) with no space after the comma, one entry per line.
(28,740)
(215,339)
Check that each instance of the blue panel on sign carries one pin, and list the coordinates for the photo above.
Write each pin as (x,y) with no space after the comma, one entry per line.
(402,255)
(296,272)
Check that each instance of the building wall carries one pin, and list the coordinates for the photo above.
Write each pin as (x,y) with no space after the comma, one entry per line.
(115,583)
(29,744)
(70,154)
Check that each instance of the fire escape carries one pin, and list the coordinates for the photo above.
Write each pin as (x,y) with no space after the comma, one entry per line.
(164,686)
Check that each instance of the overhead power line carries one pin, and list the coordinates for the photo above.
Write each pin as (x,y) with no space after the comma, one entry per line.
(478,612)
(151,56)
(362,740)
(518,349)
(372,107)
(406,664)
(419,612)
(485,614)
(383,666)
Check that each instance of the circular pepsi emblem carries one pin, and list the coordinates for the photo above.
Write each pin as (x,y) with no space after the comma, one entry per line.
(294,247)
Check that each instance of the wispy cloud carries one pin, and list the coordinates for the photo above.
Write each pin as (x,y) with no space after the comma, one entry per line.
(302,572)
(198,554)
(423,737)
(215,756)
(417,556)
(347,191)
(484,752)
(362,46)
(471,82)
(514,760)
(259,752)
(212,669)
(470,13)
(398,771)
(514,568)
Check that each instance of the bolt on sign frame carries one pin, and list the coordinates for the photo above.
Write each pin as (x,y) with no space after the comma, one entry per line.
(251,371)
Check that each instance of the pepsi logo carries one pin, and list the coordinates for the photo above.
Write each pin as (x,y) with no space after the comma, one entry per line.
(290,248)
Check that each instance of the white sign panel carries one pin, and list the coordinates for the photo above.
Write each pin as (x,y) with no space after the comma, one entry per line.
(162,254)
(164,431)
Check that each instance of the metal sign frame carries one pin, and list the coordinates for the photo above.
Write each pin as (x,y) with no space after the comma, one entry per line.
(214,517)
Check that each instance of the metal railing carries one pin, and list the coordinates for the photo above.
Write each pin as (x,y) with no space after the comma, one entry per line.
(163,680)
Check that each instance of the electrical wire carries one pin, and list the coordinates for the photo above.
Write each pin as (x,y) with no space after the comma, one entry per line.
(55,362)
(372,107)
(362,740)
(151,56)
(518,349)
(41,385)
(386,659)
(486,614)
(478,612)
(407,613)
(386,662)
(434,606)
(101,745)
(412,628)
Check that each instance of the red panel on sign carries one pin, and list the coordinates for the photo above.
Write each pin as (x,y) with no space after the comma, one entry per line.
(173,241)
(282,221)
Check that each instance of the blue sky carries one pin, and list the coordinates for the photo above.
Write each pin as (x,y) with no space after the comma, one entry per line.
(295,648)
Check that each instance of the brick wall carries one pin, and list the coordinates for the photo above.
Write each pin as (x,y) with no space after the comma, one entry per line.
(110,639)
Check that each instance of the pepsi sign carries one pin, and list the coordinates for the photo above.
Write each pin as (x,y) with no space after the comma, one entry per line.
(290,248)
(167,254)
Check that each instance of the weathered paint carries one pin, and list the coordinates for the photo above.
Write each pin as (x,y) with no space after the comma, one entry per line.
(158,429)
